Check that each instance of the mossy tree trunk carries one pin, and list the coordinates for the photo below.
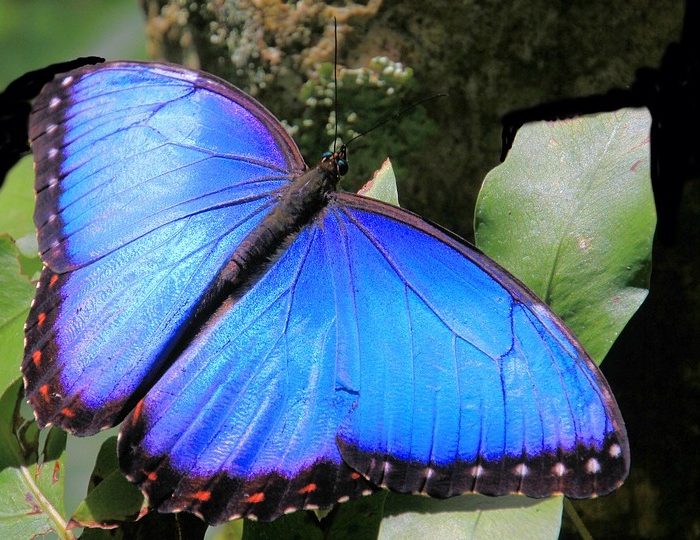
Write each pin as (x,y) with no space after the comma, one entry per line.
(490,57)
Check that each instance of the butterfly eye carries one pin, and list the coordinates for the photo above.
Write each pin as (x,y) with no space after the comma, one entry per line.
(326,155)
(342,166)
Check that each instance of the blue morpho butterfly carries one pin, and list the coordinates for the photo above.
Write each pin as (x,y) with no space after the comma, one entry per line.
(273,343)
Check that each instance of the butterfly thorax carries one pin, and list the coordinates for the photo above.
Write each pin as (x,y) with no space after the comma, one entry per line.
(298,203)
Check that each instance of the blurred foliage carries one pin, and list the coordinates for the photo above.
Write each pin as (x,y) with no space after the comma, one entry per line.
(40,32)
(30,38)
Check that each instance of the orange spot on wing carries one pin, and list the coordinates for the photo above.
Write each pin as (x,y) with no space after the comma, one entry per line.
(354,475)
(41,318)
(36,358)
(137,411)
(53,280)
(308,488)
(68,413)
(153,476)
(44,391)
(202,495)
(256,497)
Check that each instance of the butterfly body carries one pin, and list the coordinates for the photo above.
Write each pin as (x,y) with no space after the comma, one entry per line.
(299,202)
(275,344)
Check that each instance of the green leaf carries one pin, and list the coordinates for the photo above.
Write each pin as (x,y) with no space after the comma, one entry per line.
(16,292)
(111,499)
(232,530)
(17,200)
(470,516)
(570,213)
(10,450)
(382,185)
(31,474)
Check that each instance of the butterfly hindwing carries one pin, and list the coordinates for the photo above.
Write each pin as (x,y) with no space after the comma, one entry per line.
(148,177)
(476,386)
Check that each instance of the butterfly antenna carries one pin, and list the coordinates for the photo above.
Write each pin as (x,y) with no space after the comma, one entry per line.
(394,116)
(335,79)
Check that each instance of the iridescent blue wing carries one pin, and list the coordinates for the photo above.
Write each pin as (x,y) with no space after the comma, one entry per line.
(147,177)
(379,345)
(468,382)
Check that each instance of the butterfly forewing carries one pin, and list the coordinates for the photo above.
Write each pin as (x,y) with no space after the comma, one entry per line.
(145,187)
